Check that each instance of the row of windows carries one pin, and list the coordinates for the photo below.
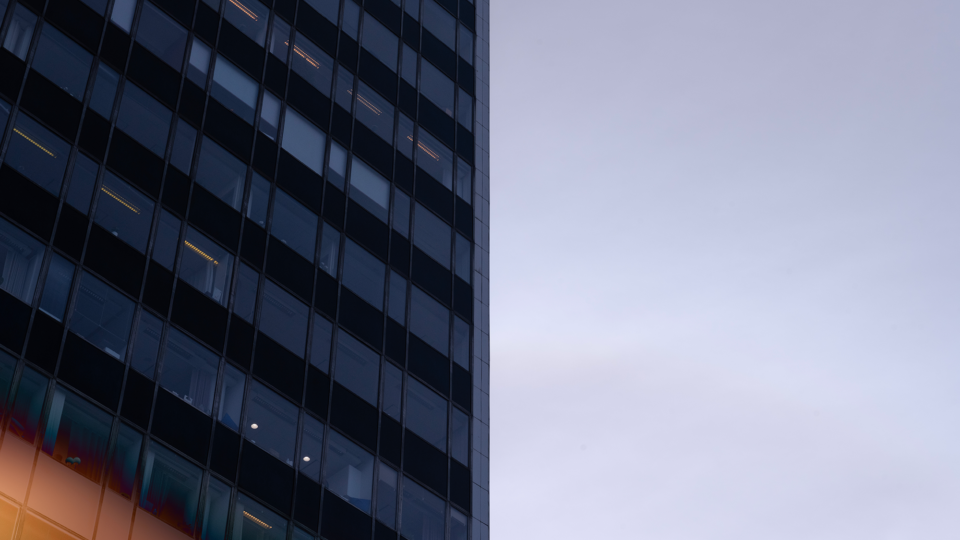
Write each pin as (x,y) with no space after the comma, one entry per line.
(82,437)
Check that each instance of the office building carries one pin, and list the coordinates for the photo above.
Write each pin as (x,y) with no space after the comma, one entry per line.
(244,253)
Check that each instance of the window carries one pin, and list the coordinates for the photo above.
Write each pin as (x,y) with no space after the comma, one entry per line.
(369,189)
(375,112)
(20,260)
(104,90)
(401,213)
(387,496)
(429,320)
(144,118)
(463,257)
(146,349)
(461,343)
(26,408)
(412,8)
(398,298)
(8,365)
(280,39)
(168,234)
(343,93)
(20,32)
(337,172)
(311,63)
(245,302)
(270,115)
(221,174)
(62,61)
(162,36)
(284,318)
(423,513)
(102,316)
(122,14)
(199,64)
(97,5)
(124,212)
(405,136)
(259,200)
(250,17)
(311,446)
(351,20)
(460,436)
(4,115)
(440,23)
(382,43)
(215,510)
(183,144)
(464,181)
(348,471)
(294,225)
(358,367)
(432,235)
(303,140)
(329,250)
(320,346)
(408,65)
(189,370)
(234,89)
(124,461)
(363,274)
(392,390)
(271,423)
(330,9)
(458,525)
(253,521)
(435,158)
(437,87)
(231,397)
(56,288)
(77,434)
(38,154)
(465,109)
(82,182)
(427,414)
(171,489)
(466,44)
(206,266)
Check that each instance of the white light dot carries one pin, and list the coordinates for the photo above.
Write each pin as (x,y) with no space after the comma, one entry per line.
(254,426)
(306,458)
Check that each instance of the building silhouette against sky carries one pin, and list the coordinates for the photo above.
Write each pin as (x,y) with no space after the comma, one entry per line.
(244,254)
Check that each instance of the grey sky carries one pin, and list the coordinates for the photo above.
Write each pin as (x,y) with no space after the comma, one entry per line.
(726,270)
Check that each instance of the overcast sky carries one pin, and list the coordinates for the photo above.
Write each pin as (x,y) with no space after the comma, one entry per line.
(726,269)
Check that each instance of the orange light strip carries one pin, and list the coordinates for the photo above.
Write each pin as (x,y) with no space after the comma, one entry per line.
(245,9)
(116,196)
(35,143)
(200,252)
(259,522)
(369,105)
(429,152)
(305,56)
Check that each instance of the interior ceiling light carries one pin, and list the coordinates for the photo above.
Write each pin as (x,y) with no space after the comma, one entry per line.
(254,426)
(119,198)
(35,143)
(306,458)
(259,522)
(245,9)
(305,56)
(199,252)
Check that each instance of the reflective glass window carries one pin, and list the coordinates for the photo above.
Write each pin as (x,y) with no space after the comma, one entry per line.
(215,510)
(170,489)
(271,423)
(162,35)
(464,181)
(440,23)
(303,140)
(437,87)
(122,14)
(8,365)
(82,183)
(387,496)
(189,370)
(426,414)
(20,32)
(423,513)
(311,63)
(363,274)
(461,343)
(64,62)
(466,44)
(405,136)
(56,288)
(343,94)
(465,109)
(77,434)
(245,302)
(459,436)
(144,118)
(280,39)
(392,390)
(220,173)
(259,200)
(184,142)
(348,471)
(311,447)
(168,235)
(234,89)
(100,6)
(375,112)
(20,260)
(401,213)
(25,412)
(206,266)
(124,461)
(429,320)
(231,397)
(270,115)
(35,152)
(253,521)
(412,7)
(435,158)
(284,318)
(294,225)
(199,64)
(337,172)
(358,367)
(329,250)
(463,257)
(104,90)
(102,316)
(432,235)
(458,525)
(382,43)
(351,20)
(369,189)
(146,349)
(398,298)
(330,9)
(250,17)
(408,65)
(124,212)
(322,340)
(300,534)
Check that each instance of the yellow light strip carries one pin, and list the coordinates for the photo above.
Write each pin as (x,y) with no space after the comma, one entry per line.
(200,252)
(245,9)
(430,152)
(35,143)
(305,56)
(369,105)
(116,196)
(259,522)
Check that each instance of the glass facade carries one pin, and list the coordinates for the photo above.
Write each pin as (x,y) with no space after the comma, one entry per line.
(244,270)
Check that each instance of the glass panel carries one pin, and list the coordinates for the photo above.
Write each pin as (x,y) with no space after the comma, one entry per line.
(124,212)
(337,172)
(270,115)
(432,235)
(460,436)
(463,257)
(144,118)
(231,397)
(206,266)
(464,182)
(303,140)
(401,213)
(38,154)
(102,316)
(382,43)
(4,115)
(168,235)
(392,390)
(322,340)
(126,458)
(62,61)
(398,298)
(300,534)
(422,513)
(215,510)
(329,250)
(412,7)
(199,64)
(77,434)
(311,63)
(280,39)
(20,32)
(375,112)
(369,189)
(458,525)
(387,496)
(97,5)
(170,489)
(7,366)
(252,521)
(104,90)
(328,8)
(189,370)
(429,320)
(284,318)
(245,303)
(466,44)
(348,471)
(82,182)
(26,409)
(427,414)
(162,36)
(435,158)
(294,225)
(56,288)
(221,173)
(440,23)
(408,65)
(437,87)
(250,17)
(465,109)
(271,423)
(461,343)
(351,20)
(311,446)
(184,143)
(358,367)
(146,350)
(259,200)
(20,260)
(122,15)
(343,94)
(363,274)
(234,88)
(405,136)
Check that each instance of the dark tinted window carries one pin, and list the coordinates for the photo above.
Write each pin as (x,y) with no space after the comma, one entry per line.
(102,316)
(20,260)
(221,173)
(162,36)
(284,318)
(375,112)
(271,423)
(206,266)
(144,118)
(189,370)
(56,288)
(124,211)
(62,61)
(312,64)
(381,42)
(250,17)
(77,434)
(426,414)
(38,154)
(104,90)
(432,235)
(429,320)
(363,274)
(294,225)
(82,182)
(358,367)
